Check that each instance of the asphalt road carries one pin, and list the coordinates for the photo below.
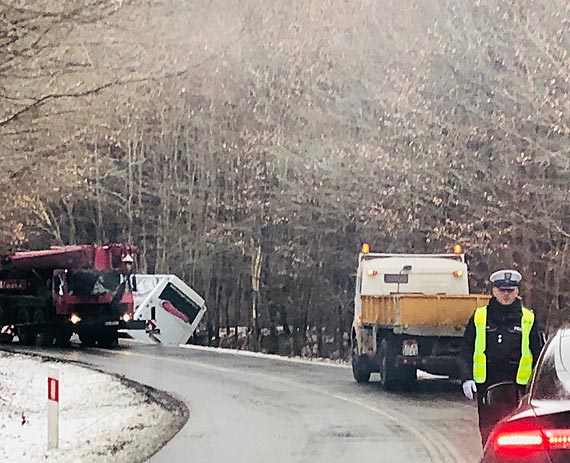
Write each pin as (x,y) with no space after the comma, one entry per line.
(248,409)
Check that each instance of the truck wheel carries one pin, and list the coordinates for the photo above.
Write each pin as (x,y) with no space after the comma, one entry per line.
(6,335)
(6,338)
(387,368)
(88,339)
(407,376)
(360,370)
(26,339)
(107,340)
(62,338)
(43,338)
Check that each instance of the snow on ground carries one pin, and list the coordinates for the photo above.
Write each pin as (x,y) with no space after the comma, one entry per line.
(307,361)
(101,417)
(247,353)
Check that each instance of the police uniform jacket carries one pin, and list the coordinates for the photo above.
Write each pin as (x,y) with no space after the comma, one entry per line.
(503,343)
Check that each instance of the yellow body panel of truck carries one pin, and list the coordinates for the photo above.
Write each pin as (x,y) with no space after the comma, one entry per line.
(445,314)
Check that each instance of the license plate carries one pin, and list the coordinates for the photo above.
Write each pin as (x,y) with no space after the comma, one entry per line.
(410,348)
(111,323)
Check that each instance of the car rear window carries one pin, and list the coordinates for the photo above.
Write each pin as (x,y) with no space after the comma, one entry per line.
(550,382)
(565,352)
(396,278)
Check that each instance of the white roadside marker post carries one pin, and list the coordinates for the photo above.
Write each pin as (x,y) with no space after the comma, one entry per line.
(53,408)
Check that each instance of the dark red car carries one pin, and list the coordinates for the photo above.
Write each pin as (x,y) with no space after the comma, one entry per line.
(538,431)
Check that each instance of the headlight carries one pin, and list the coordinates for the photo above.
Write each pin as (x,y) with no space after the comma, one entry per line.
(75,319)
(126,318)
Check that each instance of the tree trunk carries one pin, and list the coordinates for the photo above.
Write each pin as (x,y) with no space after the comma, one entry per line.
(255,285)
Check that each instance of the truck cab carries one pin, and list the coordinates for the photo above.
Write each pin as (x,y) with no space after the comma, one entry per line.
(171,308)
(385,274)
(47,295)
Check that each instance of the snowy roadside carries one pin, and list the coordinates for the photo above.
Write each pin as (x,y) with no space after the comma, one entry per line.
(102,418)
(312,361)
(247,353)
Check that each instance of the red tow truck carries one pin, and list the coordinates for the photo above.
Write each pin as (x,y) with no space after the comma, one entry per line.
(47,295)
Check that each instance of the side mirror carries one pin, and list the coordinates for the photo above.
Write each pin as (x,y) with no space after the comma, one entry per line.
(506,394)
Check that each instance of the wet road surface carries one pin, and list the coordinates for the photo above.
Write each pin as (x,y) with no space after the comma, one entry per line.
(249,409)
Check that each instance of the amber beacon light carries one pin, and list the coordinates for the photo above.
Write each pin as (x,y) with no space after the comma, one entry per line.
(457,249)
(365,248)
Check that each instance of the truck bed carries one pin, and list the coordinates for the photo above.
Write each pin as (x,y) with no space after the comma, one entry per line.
(421,314)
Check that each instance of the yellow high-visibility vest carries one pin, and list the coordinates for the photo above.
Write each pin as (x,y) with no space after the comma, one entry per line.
(480,359)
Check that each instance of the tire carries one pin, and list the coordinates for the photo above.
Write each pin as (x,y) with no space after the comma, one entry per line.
(387,367)
(107,340)
(62,338)
(360,371)
(87,339)
(42,338)
(6,338)
(407,376)
(26,339)
(394,377)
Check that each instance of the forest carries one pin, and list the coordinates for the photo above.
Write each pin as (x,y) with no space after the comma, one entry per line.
(251,147)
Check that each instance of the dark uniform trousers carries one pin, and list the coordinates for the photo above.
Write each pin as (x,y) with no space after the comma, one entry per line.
(491,414)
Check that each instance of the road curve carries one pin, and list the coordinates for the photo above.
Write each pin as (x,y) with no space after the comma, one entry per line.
(246,409)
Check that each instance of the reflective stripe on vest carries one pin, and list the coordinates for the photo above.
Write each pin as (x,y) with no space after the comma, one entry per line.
(525,364)
(480,359)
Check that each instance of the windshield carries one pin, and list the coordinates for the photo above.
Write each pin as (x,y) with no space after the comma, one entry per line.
(85,283)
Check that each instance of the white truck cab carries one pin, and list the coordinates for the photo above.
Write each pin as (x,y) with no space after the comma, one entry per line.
(171,308)
(385,274)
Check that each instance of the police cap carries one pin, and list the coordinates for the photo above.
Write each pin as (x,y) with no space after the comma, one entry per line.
(506,278)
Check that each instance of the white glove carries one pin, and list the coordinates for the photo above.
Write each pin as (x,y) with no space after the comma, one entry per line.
(469,389)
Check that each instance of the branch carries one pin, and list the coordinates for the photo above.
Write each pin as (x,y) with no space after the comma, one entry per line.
(58,96)
(561,231)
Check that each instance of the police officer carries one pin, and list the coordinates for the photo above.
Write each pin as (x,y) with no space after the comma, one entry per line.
(501,343)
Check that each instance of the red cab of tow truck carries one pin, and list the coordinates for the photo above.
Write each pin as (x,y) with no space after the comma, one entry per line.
(47,295)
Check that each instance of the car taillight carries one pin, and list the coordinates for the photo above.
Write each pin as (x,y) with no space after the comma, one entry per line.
(521,441)
(511,440)
(557,439)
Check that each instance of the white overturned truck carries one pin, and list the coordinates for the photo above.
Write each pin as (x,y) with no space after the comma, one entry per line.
(171,308)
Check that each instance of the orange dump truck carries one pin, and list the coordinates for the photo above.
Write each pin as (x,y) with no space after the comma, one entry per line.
(410,312)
